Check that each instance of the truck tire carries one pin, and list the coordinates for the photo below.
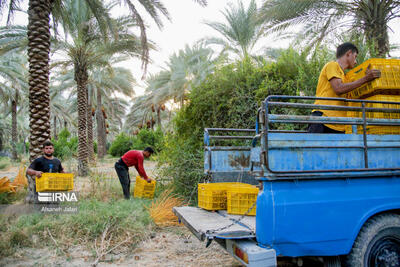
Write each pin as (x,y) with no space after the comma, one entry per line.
(378,243)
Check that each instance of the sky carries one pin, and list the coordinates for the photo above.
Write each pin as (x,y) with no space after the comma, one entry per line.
(187,27)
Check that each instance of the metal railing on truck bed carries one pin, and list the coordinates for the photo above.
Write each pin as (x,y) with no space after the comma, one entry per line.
(311,155)
(229,161)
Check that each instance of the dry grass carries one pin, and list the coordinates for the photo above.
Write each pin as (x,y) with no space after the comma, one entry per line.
(161,209)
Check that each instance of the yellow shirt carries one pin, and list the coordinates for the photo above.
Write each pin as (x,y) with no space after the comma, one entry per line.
(324,89)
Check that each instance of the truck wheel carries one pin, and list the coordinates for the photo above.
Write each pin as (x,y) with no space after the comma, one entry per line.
(378,243)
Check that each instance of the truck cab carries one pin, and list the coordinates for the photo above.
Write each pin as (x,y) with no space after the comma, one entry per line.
(329,198)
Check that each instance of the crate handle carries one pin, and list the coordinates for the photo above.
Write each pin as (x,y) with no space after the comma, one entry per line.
(358,71)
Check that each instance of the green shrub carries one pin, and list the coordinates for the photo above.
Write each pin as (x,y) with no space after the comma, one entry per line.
(148,137)
(229,98)
(65,147)
(293,73)
(181,164)
(226,99)
(121,145)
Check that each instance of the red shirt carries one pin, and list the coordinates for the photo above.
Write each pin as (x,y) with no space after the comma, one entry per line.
(135,158)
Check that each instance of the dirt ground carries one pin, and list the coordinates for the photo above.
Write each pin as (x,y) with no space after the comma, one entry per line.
(169,247)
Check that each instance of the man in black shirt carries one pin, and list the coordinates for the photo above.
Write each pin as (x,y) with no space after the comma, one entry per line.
(45,163)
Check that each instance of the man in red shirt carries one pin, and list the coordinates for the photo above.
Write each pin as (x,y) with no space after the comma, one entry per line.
(129,159)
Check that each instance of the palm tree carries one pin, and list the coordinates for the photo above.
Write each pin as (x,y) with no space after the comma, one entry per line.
(139,112)
(241,31)
(38,57)
(39,48)
(4,128)
(107,82)
(188,68)
(185,69)
(61,107)
(322,18)
(12,70)
(86,50)
(157,87)
(104,83)
(153,8)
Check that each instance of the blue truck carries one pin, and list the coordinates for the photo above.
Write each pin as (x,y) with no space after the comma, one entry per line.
(328,199)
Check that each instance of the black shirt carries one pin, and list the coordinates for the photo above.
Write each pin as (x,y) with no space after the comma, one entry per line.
(46,165)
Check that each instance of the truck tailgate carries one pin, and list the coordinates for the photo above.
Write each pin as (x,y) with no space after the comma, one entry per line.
(214,224)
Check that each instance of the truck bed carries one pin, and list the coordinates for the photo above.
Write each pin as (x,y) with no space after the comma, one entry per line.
(212,224)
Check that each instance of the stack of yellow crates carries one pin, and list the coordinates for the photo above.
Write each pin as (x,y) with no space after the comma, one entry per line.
(236,198)
(385,88)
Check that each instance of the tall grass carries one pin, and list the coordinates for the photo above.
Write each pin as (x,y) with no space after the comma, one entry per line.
(119,219)
(104,217)
(4,163)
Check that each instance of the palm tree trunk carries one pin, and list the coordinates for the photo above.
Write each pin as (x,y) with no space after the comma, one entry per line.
(81,78)
(38,56)
(55,128)
(373,16)
(90,129)
(159,117)
(104,137)
(100,127)
(378,33)
(14,134)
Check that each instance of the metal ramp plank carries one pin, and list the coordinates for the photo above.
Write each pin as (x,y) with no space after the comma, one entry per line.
(203,223)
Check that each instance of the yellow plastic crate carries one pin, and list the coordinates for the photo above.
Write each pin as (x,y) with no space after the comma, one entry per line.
(55,182)
(240,199)
(375,129)
(387,84)
(143,189)
(212,196)
(377,115)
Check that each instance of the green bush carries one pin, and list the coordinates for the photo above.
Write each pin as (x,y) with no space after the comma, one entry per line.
(145,138)
(226,99)
(65,147)
(181,163)
(293,73)
(148,137)
(229,98)
(121,145)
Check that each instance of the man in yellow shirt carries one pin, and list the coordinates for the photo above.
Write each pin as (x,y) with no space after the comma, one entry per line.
(331,83)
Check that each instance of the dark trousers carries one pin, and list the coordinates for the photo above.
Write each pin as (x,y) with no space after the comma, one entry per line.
(123,175)
(319,127)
